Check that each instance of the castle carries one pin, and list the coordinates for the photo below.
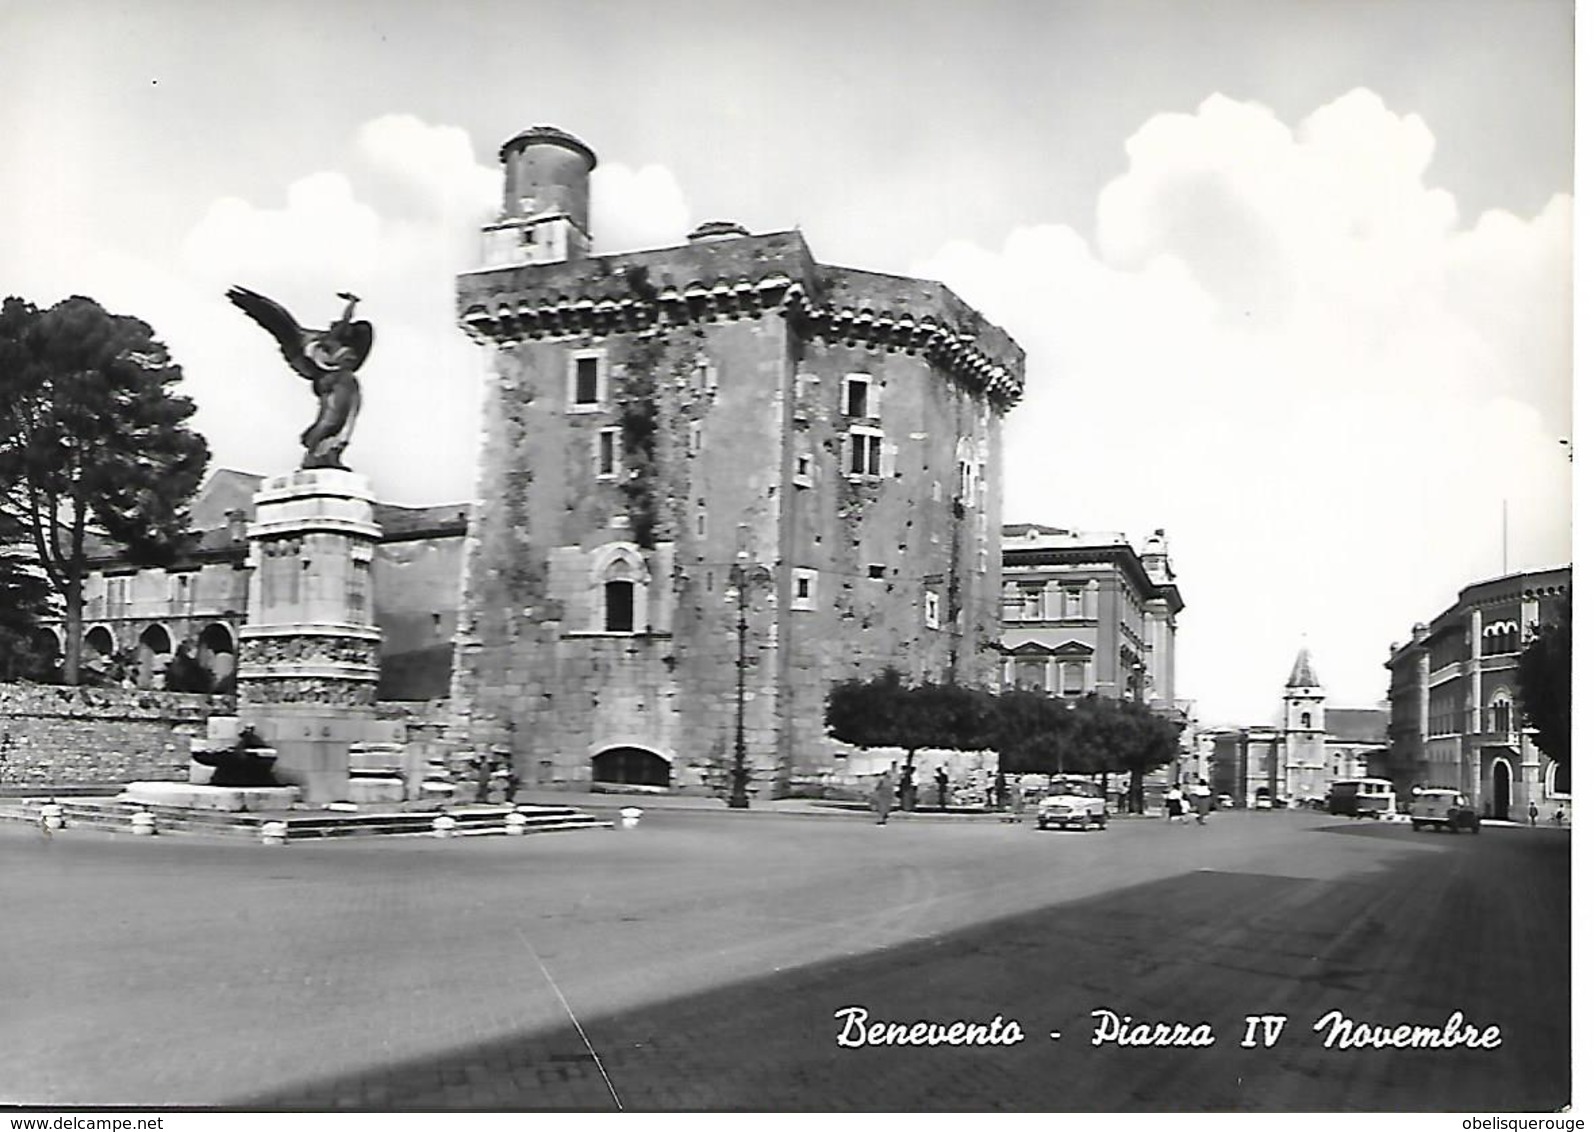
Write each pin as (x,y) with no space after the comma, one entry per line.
(715,479)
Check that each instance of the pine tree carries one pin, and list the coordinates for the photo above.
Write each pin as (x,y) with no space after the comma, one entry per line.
(92,435)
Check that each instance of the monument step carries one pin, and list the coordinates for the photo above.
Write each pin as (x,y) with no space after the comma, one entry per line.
(115,815)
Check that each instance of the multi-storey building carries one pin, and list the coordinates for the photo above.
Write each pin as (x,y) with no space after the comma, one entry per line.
(1456,716)
(1088,614)
(716,478)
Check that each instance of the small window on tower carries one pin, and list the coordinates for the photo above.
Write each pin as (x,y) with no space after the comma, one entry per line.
(803,584)
(586,381)
(608,446)
(863,452)
(585,385)
(857,396)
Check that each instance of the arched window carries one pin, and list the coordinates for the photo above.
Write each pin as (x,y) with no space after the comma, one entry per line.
(620,584)
(1500,714)
(1306,719)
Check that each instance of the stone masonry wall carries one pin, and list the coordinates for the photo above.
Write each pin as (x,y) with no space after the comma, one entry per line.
(59,736)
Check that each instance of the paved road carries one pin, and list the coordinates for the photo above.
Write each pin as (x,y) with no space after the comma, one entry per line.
(699,961)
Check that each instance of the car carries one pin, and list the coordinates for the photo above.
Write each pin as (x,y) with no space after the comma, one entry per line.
(1263,802)
(1072,803)
(1443,809)
(1225,802)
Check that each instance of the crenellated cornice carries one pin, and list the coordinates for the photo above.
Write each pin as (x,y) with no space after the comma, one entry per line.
(534,316)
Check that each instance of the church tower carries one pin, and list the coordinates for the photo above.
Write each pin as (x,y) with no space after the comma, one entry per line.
(1305,753)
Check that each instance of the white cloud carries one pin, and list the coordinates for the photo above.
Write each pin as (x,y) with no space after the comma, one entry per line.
(636,208)
(1284,350)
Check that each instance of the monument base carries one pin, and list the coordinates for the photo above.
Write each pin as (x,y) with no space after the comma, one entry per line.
(226,799)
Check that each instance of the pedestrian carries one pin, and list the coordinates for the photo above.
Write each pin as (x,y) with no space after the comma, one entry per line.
(908,790)
(1016,793)
(884,789)
(941,783)
(1533,813)
(1560,816)
(511,785)
(484,777)
(1175,802)
(1201,796)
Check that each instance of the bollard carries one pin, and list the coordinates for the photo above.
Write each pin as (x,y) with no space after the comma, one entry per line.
(274,833)
(443,826)
(629,817)
(515,823)
(50,815)
(143,823)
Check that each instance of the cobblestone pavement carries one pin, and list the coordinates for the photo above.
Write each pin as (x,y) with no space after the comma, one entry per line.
(698,961)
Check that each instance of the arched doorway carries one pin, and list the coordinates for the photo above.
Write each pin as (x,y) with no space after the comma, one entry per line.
(154,651)
(216,656)
(1500,803)
(98,657)
(631,766)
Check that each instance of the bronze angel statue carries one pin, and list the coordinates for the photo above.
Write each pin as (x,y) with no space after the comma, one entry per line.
(328,359)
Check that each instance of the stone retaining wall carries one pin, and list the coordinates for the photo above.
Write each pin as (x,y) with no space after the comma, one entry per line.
(57,736)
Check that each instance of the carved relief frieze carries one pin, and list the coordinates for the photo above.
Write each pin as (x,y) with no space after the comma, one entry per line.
(317,649)
(328,691)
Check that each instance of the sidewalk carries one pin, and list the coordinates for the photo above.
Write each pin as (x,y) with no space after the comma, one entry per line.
(789,807)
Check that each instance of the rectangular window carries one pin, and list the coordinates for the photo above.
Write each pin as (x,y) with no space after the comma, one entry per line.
(863,452)
(618,607)
(1032,603)
(804,582)
(1073,603)
(1029,673)
(586,381)
(932,610)
(877,570)
(694,437)
(857,397)
(1073,678)
(705,376)
(607,456)
(804,475)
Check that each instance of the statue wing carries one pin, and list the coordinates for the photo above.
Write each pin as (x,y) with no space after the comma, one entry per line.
(281,326)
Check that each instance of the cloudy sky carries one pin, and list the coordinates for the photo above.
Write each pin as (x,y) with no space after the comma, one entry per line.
(1293,276)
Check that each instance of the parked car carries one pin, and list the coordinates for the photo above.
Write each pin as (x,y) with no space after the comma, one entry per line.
(1447,809)
(1072,803)
(1225,802)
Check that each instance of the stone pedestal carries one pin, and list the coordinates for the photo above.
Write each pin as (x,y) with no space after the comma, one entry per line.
(308,660)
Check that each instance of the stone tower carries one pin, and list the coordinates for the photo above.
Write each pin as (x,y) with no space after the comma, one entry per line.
(714,466)
(1305,753)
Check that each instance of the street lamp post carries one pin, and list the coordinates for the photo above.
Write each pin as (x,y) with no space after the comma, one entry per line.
(742,577)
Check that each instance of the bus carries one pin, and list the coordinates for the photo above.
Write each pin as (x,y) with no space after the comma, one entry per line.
(1362,798)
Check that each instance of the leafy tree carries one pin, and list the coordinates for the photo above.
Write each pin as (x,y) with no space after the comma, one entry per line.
(1031,732)
(91,432)
(1544,679)
(886,712)
(1145,741)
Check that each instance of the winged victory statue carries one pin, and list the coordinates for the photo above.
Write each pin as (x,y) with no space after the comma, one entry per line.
(327,359)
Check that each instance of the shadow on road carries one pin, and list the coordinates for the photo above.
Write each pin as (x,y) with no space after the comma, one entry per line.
(1444,932)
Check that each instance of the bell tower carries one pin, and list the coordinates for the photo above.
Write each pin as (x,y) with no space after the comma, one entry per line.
(1305,753)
